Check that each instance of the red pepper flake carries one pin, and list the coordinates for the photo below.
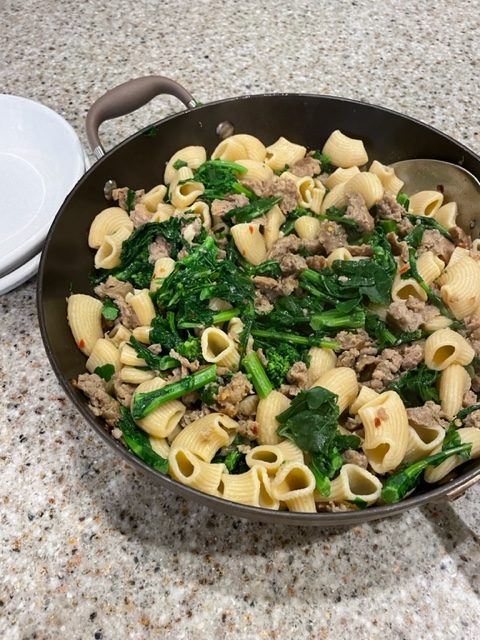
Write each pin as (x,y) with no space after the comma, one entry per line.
(81,344)
(244,253)
(378,422)
(251,229)
(405,268)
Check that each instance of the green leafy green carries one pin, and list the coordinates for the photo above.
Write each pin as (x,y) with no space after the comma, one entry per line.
(105,371)
(307,341)
(417,386)
(232,458)
(430,223)
(219,178)
(289,225)
(325,161)
(404,200)
(159,363)
(406,480)
(130,200)
(110,310)
(138,442)
(178,164)
(280,359)
(251,211)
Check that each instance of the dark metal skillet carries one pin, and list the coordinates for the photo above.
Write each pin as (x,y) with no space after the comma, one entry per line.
(138,162)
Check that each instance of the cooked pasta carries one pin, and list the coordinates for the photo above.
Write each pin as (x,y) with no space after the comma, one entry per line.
(280,327)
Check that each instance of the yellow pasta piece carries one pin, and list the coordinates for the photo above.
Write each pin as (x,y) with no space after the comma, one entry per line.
(154,197)
(446,215)
(460,287)
(160,446)
(388,178)
(273,221)
(219,348)
(161,422)
(84,315)
(467,434)
(366,395)
(422,441)
(284,152)
(142,334)
(103,352)
(108,254)
(321,360)
(343,382)
(243,488)
(132,375)
(268,456)
(426,203)
(445,347)
(203,437)
(255,171)
(194,156)
(250,242)
(267,411)
(119,334)
(294,484)
(185,467)
(345,152)
(142,304)
(107,223)
(454,382)
(368,185)
(335,198)
(386,431)
(340,176)
(352,483)
(291,452)
(307,227)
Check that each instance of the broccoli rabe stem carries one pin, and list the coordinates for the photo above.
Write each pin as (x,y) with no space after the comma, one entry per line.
(146,403)
(218,318)
(252,365)
(138,442)
(334,320)
(292,338)
(399,484)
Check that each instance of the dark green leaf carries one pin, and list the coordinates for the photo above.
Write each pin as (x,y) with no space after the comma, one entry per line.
(110,310)
(178,164)
(251,211)
(138,442)
(417,386)
(106,371)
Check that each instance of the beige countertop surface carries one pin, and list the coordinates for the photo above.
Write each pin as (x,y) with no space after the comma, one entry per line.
(88,548)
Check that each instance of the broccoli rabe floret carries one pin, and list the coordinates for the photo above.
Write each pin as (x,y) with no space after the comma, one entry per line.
(190,349)
(280,359)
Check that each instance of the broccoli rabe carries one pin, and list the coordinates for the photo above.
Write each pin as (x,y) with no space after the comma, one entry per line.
(280,359)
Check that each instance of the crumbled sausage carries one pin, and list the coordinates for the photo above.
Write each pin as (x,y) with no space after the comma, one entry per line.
(411,314)
(262,303)
(287,244)
(158,249)
(389,209)
(459,237)
(273,288)
(220,207)
(473,420)
(307,166)
(434,241)
(123,391)
(229,396)
(100,402)
(292,264)
(140,215)
(117,290)
(332,236)
(350,340)
(350,456)
(121,195)
(399,247)
(430,415)
(316,262)
(386,370)
(362,250)
(358,212)
(413,355)
(298,375)
(185,364)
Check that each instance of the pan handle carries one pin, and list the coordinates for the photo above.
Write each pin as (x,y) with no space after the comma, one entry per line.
(453,494)
(128,97)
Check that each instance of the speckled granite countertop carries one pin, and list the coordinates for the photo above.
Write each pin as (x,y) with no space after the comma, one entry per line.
(87,549)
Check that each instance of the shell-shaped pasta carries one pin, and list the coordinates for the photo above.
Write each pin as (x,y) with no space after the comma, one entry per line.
(307,227)
(291,452)
(317,195)
(255,171)
(340,175)
(132,375)
(183,194)
(321,361)
(229,149)
(243,488)
(386,431)
(154,197)
(343,382)
(429,266)
(103,352)
(267,411)
(160,446)
(201,209)
(341,253)
(366,395)
(446,215)
(194,156)
(367,185)
(454,382)
(352,483)
(305,186)
(273,221)
(129,357)
(106,223)
(108,253)
(142,334)
(335,198)
(294,484)
(142,304)
(254,148)
(161,422)
(422,441)
(460,287)
(219,348)
(403,288)
(437,322)
(203,437)
(250,242)
(119,334)
(268,456)
(283,152)
(185,467)
(389,180)
(426,203)
(445,347)
(84,315)
(163,212)
(459,253)
(467,434)
(266,499)
(235,327)
(344,151)
(162,268)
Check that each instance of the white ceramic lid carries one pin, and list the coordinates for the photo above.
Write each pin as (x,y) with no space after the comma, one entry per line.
(41,159)
(18,276)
